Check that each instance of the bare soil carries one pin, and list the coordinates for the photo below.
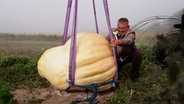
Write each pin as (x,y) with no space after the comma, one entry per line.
(52,95)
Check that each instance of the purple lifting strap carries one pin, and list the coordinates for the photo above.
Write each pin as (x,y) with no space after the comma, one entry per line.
(66,22)
(110,32)
(72,61)
(97,31)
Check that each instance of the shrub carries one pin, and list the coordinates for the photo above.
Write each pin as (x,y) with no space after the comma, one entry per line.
(5,96)
(20,70)
(8,61)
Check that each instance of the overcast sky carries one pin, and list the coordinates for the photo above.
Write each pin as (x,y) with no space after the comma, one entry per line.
(48,16)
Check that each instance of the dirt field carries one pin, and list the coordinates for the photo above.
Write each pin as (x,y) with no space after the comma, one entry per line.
(51,95)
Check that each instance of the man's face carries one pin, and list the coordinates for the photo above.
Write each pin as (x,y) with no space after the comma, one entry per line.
(122,27)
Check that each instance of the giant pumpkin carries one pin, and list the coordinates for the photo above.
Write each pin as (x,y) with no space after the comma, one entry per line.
(94,62)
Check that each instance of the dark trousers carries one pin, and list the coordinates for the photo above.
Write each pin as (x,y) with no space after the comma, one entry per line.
(135,58)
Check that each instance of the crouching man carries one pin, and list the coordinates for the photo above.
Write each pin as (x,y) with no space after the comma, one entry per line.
(126,51)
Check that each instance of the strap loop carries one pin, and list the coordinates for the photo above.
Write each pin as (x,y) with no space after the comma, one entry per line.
(92,87)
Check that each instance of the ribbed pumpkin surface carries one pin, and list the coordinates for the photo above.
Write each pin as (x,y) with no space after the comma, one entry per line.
(94,62)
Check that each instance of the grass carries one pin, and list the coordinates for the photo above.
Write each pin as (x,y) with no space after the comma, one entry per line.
(26,45)
(19,55)
(153,80)
(25,48)
(5,96)
(32,37)
(156,85)
(18,60)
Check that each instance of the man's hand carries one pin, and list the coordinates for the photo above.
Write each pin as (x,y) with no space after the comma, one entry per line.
(114,43)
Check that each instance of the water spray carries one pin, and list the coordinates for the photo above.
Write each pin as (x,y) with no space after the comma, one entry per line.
(151,20)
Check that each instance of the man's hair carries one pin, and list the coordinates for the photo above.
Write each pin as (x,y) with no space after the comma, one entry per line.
(123,20)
